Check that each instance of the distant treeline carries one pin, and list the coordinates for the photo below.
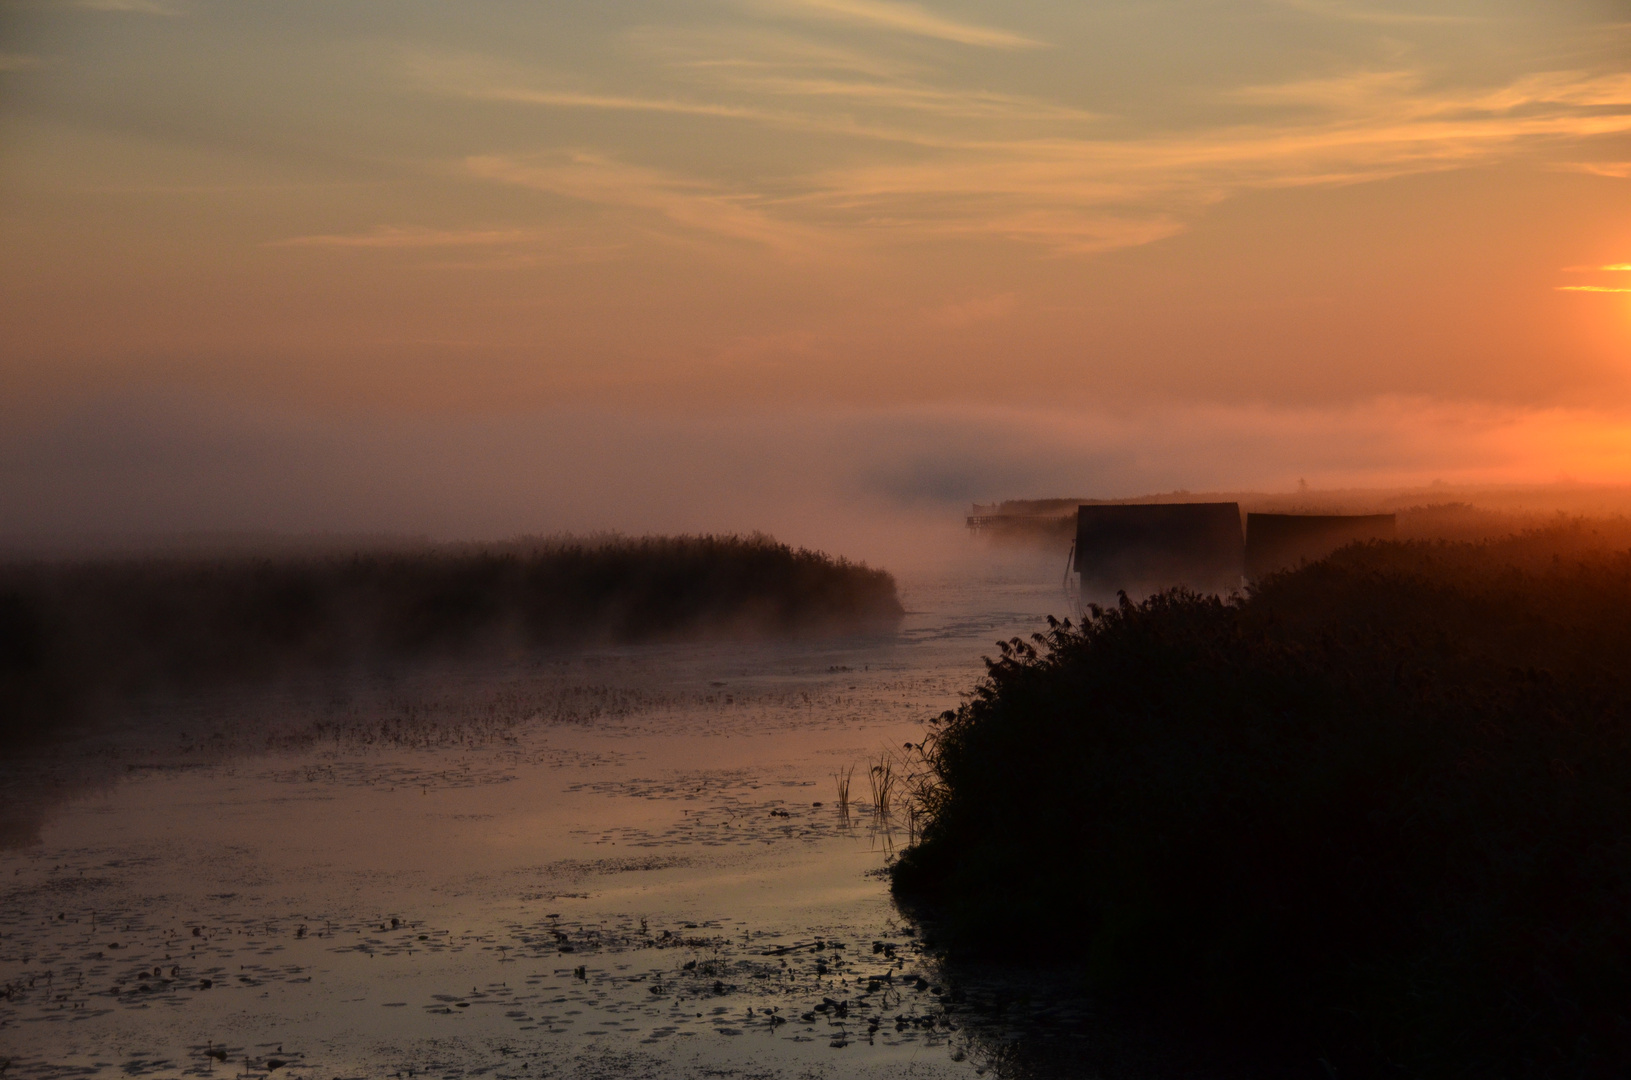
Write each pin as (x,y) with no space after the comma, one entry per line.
(1376,814)
(76,634)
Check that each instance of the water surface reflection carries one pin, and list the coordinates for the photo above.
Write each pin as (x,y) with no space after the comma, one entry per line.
(624,863)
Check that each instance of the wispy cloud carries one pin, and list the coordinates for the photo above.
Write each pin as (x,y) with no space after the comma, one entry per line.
(1619,170)
(906,19)
(1573,89)
(1152,184)
(1372,14)
(693,206)
(909,96)
(896,96)
(753,47)
(958,160)
(483,79)
(389,236)
(570,99)
(130,7)
(1405,94)
(1592,288)
(1062,228)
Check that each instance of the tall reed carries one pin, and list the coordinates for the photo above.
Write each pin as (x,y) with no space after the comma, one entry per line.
(881,778)
(841,780)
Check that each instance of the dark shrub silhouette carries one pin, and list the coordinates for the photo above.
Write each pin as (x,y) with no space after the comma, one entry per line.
(1377,813)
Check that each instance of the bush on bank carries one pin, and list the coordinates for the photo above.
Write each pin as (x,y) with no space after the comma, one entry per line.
(1375,814)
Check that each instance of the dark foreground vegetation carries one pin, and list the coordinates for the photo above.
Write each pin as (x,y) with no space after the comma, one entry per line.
(1374,819)
(77,635)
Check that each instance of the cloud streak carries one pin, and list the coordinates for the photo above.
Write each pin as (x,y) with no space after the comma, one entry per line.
(961,161)
(1382,128)
(694,207)
(907,18)
(1361,13)
(896,109)
(129,7)
(1618,170)
(410,237)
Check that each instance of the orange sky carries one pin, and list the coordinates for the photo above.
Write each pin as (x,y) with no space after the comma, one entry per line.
(408,265)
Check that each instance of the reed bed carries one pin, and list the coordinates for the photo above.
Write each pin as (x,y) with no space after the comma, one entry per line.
(75,635)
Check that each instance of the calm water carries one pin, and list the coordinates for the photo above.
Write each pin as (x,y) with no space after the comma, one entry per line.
(625,863)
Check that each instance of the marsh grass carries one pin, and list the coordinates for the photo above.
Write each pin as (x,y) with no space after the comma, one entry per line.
(841,782)
(881,778)
(74,636)
(1375,814)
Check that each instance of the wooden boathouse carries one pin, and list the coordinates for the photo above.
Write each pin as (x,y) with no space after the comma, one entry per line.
(1141,548)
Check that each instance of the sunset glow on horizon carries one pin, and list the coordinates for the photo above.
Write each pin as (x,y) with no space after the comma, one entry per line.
(721,263)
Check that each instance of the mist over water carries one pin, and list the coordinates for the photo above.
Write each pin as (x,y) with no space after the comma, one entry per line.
(887,485)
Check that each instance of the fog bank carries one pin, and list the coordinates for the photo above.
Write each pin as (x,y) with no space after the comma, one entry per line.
(886,485)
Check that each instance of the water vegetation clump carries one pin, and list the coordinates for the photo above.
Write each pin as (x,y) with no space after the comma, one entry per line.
(1373,818)
(76,633)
